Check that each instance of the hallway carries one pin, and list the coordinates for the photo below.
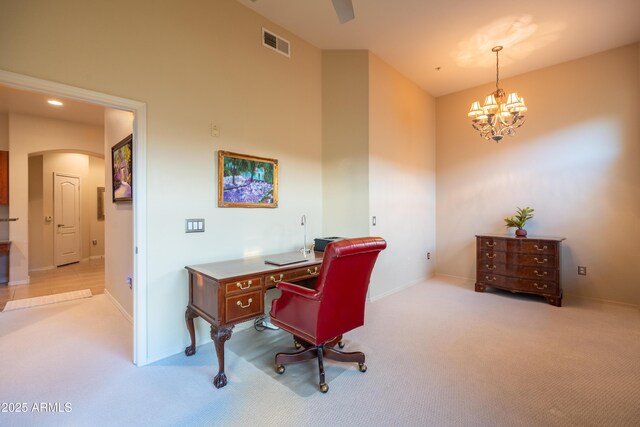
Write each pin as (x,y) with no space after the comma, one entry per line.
(73,277)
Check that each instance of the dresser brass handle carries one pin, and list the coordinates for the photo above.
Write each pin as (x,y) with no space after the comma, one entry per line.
(540,287)
(490,267)
(490,245)
(492,279)
(314,271)
(239,304)
(540,249)
(274,280)
(248,285)
(491,256)
(544,273)
(540,262)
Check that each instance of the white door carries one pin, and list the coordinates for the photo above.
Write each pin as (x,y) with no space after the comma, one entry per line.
(66,215)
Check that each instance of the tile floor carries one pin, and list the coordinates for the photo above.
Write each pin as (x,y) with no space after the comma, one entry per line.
(72,277)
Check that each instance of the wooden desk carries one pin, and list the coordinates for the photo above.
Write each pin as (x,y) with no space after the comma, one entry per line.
(229,292)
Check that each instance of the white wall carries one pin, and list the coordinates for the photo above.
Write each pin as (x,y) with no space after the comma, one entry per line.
(576,161)
(402,177)
(118,223)
(32,135)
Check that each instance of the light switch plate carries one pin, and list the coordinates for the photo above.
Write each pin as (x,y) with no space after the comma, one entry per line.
(194,225)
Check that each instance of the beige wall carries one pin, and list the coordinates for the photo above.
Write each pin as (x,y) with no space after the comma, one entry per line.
(345,142)
(33,135)
(96,231)
(118,223)
(378,158)
(576,161)
(90,170)
(210,67)
(402,176)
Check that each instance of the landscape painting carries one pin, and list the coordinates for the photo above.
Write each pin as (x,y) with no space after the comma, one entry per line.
(247,181)
(122,170)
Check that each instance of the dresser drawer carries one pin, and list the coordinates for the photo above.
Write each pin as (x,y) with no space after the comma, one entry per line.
(519,284)
(542,247)
(532,260)
(490,243)
(244,306)
(292,275)
(528,272)
(246,285)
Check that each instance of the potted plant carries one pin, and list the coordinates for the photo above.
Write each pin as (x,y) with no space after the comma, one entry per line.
(518,221)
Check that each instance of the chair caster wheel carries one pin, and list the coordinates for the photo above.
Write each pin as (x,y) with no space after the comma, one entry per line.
(280,369)
(340,344)
(324,387)
(362,367)
(297,345)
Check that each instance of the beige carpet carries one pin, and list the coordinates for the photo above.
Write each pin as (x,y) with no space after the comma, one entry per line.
(438,354)
(46,299)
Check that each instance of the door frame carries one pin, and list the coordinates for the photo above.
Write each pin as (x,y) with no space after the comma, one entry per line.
(139,110)
(55,221)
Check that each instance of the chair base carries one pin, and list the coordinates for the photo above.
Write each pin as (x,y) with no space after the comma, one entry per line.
(322,351)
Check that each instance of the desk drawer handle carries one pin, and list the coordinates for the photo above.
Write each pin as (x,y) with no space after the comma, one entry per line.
(540,287)
(493,279)
(544,273)
(314,271)
(490,245)
(239,304)
(540,262)
(490,267)
(540,249)
(274,280)
(491,256)
(247,286)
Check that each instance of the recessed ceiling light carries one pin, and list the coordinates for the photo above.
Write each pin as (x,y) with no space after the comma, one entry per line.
(54,102)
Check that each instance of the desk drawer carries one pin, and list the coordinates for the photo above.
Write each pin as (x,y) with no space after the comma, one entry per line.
(246,285)
(244,306)
(292,275)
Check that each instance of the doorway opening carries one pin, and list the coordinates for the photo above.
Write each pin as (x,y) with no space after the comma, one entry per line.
(19,173)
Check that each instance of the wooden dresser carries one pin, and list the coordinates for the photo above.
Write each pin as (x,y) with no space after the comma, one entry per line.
(518,264)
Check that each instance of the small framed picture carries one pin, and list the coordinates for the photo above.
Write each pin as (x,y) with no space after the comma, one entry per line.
(122,170)
(247,181)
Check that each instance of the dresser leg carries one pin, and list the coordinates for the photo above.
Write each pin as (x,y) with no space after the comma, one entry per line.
(480,287)
(189,315)
(557,301)
(219,337)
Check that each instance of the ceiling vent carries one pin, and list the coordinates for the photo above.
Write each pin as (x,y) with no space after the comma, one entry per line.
(275,42)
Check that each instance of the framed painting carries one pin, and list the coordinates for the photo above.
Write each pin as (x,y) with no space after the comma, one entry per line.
(247,181)
(122,170)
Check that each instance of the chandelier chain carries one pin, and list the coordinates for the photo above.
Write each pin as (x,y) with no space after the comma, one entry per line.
(497,70)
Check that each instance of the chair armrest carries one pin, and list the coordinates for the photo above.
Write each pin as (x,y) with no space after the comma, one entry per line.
(297,290)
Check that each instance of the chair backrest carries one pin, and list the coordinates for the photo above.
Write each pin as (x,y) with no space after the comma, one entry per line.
(342,284)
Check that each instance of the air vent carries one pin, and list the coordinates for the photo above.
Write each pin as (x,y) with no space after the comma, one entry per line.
(275,42)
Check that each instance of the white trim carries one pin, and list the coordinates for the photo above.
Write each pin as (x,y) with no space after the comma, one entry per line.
(118,306)
(139,109)
(18,282)
(95,257)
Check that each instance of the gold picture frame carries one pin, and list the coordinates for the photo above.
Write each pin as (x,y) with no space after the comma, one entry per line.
(246,181)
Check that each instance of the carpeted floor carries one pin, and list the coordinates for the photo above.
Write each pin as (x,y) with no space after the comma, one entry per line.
(438,354)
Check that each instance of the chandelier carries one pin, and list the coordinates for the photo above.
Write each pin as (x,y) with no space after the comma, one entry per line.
(500,115)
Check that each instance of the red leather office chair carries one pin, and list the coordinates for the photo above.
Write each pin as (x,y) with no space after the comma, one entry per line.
(318,317)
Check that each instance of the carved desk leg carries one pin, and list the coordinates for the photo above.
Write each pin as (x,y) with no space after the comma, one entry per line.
(219,337)
(189,315)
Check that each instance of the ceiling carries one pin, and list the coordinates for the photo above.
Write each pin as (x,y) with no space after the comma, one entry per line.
(35,103)
(445,45)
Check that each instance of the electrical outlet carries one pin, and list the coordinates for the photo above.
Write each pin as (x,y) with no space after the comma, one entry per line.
(130,282)
(428,255)
(582,270)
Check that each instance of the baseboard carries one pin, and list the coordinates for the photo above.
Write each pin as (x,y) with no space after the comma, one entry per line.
(603,301)
(464,279)
(96,257)
(18,282)
(118,306)
(396,290)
